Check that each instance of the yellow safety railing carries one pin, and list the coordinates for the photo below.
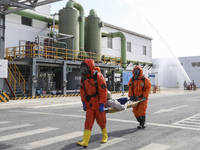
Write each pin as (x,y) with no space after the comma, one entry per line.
(48,52)
(16,73)
(12,80)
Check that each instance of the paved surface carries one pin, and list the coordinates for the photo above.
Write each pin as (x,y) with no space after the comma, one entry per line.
(173,123)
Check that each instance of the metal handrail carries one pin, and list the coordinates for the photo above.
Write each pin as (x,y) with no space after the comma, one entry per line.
(12,80)
(17,74)
(49,52)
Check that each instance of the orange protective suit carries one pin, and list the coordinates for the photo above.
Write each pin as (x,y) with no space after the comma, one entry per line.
(136,89)
(92,106)
(98,69)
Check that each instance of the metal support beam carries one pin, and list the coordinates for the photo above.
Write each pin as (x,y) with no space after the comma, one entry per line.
(18,4)
(113,80)
(64,77)
(2,39)
(33,80)
(22,5)
(2,35)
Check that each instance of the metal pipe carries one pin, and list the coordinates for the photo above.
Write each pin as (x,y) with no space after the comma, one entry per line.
(103,34)
(63,44)
(139,62)
(54,15)
(50,19)
(123,44)
(67,35)
(35,15)
(123,48)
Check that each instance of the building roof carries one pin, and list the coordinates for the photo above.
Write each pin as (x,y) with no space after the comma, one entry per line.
(128,31)
(189,57)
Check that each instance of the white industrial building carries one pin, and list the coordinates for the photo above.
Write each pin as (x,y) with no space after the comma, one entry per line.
(19,29)
(139,47)
(168,72)
(192,67)
(172,72)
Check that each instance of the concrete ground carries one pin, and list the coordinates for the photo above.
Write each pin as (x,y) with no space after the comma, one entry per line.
(173,120)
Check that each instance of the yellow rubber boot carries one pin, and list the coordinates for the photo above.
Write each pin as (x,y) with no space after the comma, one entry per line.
(86,138)
(104,136)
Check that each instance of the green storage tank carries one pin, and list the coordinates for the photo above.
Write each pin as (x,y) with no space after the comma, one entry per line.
(68,24)
(93,26)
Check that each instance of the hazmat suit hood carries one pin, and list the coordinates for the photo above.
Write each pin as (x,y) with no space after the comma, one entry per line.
(91,65)
(141,71)
(98,69)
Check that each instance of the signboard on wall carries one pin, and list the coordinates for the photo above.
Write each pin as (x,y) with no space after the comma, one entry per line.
(127,75)
(3,68)
(152,78)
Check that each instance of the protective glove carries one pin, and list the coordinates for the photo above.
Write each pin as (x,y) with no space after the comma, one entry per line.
(136,98)
(84,107)
(101,107)
(131,97)
(144,99)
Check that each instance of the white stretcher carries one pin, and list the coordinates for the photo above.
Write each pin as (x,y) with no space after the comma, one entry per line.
(113,106)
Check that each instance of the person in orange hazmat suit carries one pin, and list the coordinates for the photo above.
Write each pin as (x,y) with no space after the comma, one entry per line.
(139,89)
(93,91)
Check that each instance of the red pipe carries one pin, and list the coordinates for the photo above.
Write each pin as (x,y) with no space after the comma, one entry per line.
(9,87)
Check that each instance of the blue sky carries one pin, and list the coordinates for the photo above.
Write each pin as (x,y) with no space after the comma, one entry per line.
(173,24)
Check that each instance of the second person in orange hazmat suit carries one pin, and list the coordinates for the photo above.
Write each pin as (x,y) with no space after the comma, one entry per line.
(139,89)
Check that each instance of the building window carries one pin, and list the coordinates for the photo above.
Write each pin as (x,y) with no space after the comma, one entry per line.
(144,50)
(109,42)
(128,46)
(198,64)
(194,64)
(26,21)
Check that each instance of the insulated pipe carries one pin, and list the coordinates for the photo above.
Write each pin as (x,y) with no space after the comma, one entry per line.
(103,34)
(72,4)
(123,44)
(139,62)
(35,15)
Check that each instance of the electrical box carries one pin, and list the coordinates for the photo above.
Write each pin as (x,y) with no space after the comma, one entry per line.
(3,68)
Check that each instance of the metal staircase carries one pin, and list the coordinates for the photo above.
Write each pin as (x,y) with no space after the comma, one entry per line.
(19,92)
(15,81)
